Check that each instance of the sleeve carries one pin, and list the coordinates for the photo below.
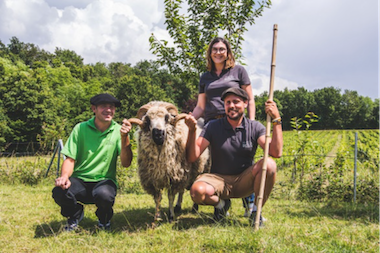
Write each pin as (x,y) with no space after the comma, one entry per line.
(243,77)
(205,132)
(71,146)
(202,85)
(118,140)
(260,130)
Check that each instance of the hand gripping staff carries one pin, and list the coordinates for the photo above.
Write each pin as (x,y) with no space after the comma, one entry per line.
(267,135)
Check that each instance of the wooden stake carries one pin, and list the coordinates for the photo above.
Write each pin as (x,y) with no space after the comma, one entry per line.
(267,135)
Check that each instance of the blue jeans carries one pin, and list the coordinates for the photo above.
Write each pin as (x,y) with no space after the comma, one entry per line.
(248,200)
(101,193)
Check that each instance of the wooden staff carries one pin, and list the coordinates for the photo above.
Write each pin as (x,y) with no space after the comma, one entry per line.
(267,135)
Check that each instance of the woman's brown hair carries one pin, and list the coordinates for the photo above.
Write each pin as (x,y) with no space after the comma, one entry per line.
(230,61)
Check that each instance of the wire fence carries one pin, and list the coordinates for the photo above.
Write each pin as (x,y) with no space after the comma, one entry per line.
(26,149)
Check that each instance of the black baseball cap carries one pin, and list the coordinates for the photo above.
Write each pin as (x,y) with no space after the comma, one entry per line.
(236,91)
(104,98)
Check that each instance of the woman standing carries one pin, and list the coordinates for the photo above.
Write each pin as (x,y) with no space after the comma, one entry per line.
(222,74)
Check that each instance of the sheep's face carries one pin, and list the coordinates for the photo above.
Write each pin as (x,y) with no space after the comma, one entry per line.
(156,121)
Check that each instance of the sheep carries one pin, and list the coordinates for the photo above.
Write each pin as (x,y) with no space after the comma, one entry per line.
(162,162)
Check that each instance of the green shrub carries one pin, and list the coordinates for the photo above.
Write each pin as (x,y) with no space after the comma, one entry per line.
(25,172)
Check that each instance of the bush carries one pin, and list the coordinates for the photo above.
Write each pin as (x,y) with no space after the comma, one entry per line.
(25,172)
(128,180)
(339,190)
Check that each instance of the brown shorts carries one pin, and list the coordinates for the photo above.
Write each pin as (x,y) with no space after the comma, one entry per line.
(230,186)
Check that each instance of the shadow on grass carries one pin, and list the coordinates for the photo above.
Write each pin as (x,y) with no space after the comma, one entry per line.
(131,221)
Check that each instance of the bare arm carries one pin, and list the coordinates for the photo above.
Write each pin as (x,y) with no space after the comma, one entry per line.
(276,142)
(201,104)
(194,147)
(251,101)
(66,171)
(126,151)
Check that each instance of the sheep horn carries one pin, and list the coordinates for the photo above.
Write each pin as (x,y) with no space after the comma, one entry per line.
(172,109)
(135,121)
(179,117)
(142,111)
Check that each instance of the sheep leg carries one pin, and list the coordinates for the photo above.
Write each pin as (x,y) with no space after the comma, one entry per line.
(194,209)
(171,196)
(157,199)
(178,206)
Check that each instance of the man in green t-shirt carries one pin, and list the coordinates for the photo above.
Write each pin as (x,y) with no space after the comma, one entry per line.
(88,174)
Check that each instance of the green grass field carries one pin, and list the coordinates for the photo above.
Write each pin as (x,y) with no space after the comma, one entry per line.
(30,222)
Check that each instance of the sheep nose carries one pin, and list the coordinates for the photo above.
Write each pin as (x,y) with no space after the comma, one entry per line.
(158,136)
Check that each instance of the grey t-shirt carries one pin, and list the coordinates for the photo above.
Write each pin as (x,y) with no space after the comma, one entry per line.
(232,151)
(213,86)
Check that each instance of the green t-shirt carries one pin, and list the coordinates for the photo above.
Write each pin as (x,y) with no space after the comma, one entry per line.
(95,153)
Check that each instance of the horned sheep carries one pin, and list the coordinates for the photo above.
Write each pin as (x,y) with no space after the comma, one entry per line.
(162,162)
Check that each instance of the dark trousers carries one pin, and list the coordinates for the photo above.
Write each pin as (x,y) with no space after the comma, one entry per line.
(101,193)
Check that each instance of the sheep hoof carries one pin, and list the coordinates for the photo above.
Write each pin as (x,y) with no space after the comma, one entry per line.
(177,209)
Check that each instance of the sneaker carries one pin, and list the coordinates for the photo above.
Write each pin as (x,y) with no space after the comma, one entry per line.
(72,223)
(220,213)
(106,226)
(253,219)
(248,212)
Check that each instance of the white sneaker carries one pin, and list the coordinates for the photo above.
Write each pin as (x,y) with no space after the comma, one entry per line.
(247,212)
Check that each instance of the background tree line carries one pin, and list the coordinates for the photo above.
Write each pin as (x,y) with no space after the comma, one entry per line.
(43,95)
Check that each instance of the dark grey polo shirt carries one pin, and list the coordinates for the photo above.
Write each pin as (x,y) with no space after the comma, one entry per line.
(214,85)
(232,151)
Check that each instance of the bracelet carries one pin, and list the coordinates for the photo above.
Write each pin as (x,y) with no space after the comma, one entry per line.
(277,121)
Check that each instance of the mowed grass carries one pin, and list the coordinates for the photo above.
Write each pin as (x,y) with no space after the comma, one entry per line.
(30,221)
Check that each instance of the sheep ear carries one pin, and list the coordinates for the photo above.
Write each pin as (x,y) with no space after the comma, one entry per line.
(142,111)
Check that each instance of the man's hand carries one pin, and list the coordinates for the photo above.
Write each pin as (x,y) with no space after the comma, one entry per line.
(271,109)
(191,122)
(63,182)
(125,128)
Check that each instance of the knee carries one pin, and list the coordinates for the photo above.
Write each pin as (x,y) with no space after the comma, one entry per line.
(198,192)
(104,197)
(58,194)
(271,167)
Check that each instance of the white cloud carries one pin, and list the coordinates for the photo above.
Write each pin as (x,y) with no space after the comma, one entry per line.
(320,43)
(99,31)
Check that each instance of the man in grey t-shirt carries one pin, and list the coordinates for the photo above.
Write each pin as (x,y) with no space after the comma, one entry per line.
(233,141)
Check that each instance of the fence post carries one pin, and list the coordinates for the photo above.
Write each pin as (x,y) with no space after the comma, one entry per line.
(57,149)
(355,162)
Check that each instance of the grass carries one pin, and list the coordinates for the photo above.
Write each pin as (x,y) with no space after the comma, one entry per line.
(30,221)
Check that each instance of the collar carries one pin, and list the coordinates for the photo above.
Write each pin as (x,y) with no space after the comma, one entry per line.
(227,125)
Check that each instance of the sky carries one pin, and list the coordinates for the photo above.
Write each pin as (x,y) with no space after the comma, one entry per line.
(320,43)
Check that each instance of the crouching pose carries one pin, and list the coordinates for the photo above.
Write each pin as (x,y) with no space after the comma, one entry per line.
(233,140)
(88,175)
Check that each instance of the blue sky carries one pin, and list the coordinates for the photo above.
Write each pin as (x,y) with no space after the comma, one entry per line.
(320,43)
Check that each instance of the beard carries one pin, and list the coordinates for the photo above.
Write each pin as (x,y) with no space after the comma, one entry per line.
(236,117)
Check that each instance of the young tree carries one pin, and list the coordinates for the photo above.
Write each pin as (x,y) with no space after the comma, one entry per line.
(192,32)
